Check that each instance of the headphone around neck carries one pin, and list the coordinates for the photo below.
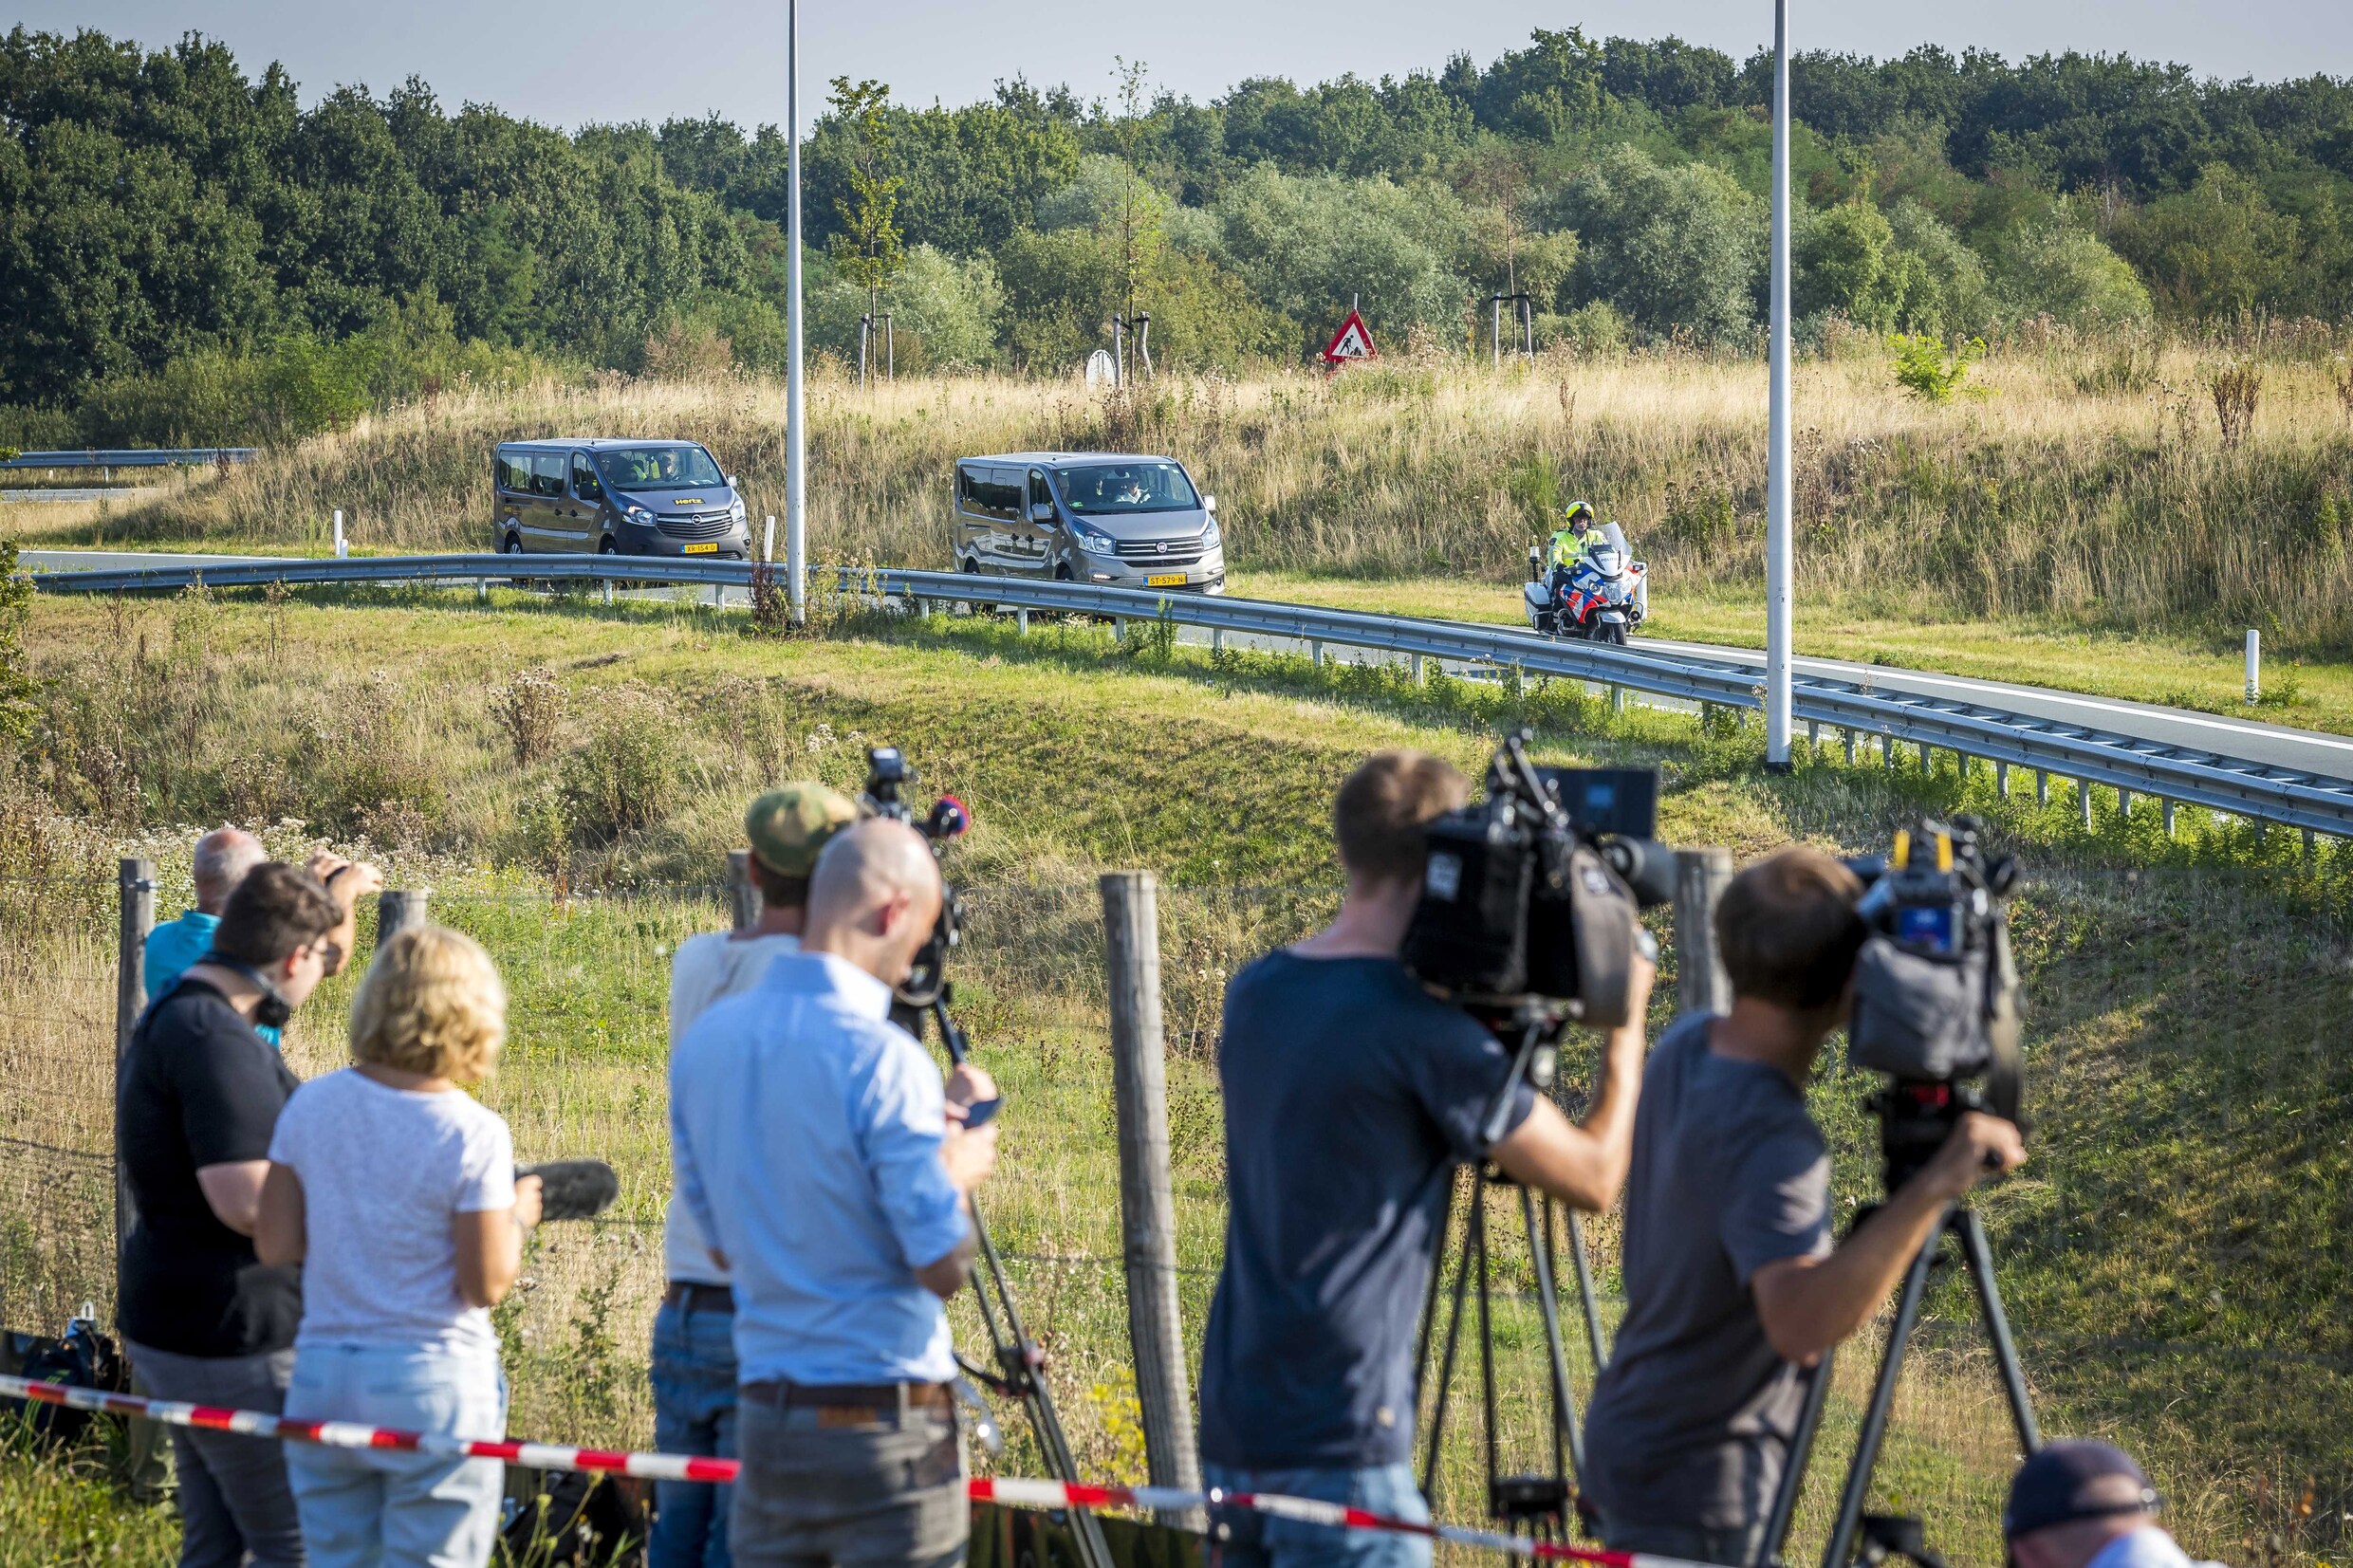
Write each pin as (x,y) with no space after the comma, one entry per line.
(274,1009)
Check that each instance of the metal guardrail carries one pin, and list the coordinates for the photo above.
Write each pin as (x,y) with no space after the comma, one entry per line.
(2313,803)
(130,457)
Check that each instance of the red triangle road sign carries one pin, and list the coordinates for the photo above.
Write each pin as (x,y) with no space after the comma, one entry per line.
(1354,341)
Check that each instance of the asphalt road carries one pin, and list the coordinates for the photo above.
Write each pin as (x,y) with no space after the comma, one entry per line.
(11,494)
(2271,745)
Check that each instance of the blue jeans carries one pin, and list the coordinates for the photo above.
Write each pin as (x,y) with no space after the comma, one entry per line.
(379,1509)
(1259,1541)
(693,1413)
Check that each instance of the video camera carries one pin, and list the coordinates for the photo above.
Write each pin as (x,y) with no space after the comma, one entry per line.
(1935,989)
(887,777)
(1531,899)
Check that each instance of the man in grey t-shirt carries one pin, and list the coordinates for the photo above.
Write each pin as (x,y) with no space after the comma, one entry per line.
(1732,1283)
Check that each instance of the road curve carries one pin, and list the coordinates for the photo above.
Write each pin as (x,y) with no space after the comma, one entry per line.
(2249,740)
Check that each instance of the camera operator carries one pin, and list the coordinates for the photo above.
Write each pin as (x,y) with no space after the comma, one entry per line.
(1351,1096)
(1732,1283)
(816,1148)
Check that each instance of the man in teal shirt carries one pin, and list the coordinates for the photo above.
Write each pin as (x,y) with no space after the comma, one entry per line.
(222,857)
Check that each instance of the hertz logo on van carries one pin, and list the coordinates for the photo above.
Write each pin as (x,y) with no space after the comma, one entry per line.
(687,501)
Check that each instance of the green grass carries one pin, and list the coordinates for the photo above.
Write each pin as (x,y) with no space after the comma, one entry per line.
(2174,1255)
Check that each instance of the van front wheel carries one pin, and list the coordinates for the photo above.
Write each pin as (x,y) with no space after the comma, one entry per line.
(972,568)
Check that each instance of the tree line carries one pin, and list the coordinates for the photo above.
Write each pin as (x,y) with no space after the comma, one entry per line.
(187,253)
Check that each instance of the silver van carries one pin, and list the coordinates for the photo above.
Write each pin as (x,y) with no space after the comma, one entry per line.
(618,497)
(1109,518)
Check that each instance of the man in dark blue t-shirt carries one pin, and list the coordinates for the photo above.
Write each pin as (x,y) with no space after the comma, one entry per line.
(1351,1098)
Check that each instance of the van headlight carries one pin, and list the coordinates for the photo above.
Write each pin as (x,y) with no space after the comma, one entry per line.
(736,510)
(1210,536)
(638,514)
(1092,539)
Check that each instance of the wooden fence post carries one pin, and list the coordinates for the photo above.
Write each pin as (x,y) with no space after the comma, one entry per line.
(1147,1204)
(135,880)
(743,894)
(398,909)
(1700,983)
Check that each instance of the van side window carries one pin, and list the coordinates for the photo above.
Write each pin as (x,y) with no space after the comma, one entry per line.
(965,501)
(514,473)
(547,473)
(585,482)
(1039,494)
(1009,494)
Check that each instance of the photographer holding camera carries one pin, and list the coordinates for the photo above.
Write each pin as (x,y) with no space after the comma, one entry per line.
(1352,1096)
(1732,1283)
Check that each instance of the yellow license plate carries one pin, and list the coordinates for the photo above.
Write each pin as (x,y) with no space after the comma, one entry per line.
(1166,580)
(711,548)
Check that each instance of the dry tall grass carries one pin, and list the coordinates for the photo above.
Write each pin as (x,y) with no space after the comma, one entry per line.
(2085,484)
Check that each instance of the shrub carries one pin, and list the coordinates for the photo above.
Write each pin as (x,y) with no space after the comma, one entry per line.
(624,774)
(1596,330)
(2236,390)
(531,710)
(17,685)
(1924,369)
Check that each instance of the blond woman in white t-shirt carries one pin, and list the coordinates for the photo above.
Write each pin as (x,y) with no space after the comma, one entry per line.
(396,1191)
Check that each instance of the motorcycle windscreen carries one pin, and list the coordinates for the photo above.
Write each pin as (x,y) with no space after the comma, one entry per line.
(1610,557)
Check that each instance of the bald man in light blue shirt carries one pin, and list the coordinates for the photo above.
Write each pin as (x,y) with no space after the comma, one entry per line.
(829,1165)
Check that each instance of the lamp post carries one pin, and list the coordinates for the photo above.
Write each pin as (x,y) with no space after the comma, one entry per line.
(1777,458)
(796,444)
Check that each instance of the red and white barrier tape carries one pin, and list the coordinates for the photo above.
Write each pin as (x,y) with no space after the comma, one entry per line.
(664,1466)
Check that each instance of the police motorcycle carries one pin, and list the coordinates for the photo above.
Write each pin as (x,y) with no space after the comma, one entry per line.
(1600,597)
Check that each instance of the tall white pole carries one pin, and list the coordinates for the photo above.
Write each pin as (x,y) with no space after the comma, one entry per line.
(796,445)
(1777,459)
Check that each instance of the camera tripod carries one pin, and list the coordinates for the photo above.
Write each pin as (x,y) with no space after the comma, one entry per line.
(1880,1536)
(1544,1504)
(1019,1362)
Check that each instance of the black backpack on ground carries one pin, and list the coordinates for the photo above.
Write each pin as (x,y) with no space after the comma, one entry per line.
(84,1358)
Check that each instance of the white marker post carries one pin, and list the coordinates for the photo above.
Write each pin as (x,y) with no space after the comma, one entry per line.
(767,541)
(343,549)
(796,445)
(1777,458)
(2255,666)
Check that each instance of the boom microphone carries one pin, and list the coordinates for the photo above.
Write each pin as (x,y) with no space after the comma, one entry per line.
(573,1189)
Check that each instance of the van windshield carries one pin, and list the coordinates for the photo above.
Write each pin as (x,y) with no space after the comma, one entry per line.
(1125,487)
(636,467)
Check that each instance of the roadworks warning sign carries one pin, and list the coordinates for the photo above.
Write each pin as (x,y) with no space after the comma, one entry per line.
(1354,341)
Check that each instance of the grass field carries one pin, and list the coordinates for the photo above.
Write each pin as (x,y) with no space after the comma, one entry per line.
(2173,1257)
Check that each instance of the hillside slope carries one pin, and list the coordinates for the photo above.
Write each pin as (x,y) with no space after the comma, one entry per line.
(2059,498)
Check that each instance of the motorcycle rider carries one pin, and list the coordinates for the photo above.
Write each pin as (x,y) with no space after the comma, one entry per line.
(1580,532)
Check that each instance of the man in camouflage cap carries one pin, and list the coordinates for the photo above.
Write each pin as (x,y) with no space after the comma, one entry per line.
(693,1363)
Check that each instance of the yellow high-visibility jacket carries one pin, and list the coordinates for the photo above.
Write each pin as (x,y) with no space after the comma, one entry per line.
(1568,544)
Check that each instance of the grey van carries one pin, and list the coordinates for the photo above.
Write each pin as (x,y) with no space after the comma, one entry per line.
(1110,518)
(618,497)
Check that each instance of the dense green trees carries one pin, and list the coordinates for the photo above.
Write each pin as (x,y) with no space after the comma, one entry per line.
(185,250)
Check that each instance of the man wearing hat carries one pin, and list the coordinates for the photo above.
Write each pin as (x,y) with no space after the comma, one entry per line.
(2082,1504)
(693,1366)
